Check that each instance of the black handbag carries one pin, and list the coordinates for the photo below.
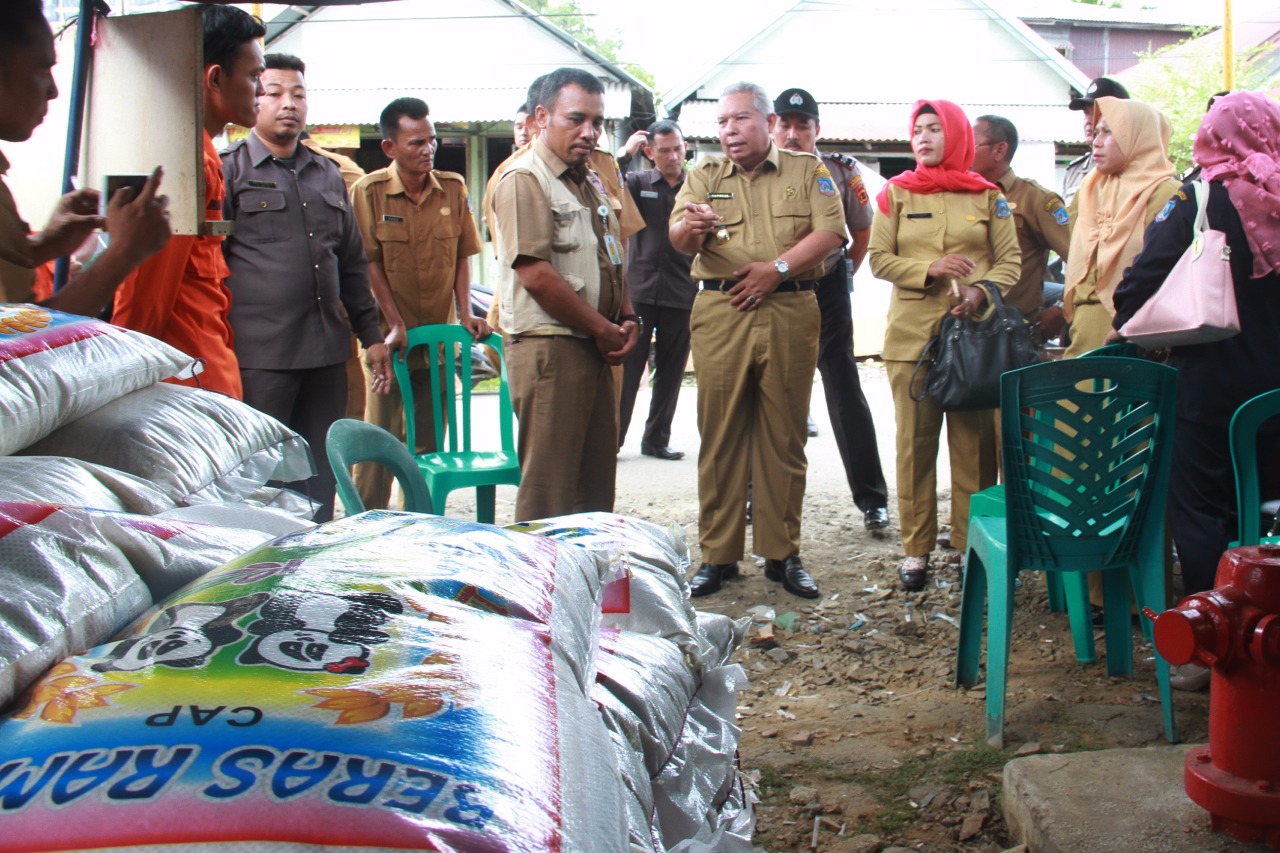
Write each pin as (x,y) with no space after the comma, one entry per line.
(967,356)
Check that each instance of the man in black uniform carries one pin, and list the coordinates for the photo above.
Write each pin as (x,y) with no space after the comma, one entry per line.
(797,129)
(661,290)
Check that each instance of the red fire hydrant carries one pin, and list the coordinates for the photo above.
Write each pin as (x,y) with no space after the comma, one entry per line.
(1235,629)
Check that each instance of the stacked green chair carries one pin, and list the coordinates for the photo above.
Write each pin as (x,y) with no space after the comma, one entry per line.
(350,442)
(457,464)
(1245,424)
(1086,451)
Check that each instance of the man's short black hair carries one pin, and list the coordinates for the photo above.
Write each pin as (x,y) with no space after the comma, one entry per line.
(389,121)
(226,28)
(1000,129)
(523,108)
(664,126)
(562,77)
(284,62)
(534,96)
(20,21)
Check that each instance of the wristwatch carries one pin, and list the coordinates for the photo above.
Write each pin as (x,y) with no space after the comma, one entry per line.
(635,318)
(783,268)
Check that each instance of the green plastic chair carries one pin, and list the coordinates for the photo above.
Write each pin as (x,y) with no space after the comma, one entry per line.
(458,465)
(350,441)
(1086,447)
(1243,432)
(1071,591)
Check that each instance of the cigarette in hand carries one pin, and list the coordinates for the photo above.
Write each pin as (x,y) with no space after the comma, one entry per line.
(955,288)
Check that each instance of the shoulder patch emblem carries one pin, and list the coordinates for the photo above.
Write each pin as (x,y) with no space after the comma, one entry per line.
(1002,208)
(1052,203)
(859,189)
(1168,208)
(1180,195)
(1060,215)
(825,185)
(822,171)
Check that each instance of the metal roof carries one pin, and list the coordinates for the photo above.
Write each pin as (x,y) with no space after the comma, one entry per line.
(867,122)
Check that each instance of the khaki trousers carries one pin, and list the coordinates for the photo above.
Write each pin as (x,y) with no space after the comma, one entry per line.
(971,441)
(373,481)
(754,371)
(563,396)
(1089,327)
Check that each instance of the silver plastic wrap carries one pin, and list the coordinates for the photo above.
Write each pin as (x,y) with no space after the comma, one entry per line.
(72,482)
(56,367)
(383,682)
(194,446)
(693,788)
(647,592)
(64,588)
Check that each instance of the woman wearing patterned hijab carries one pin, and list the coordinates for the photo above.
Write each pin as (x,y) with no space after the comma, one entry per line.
(1238,149)
(939,231)
(1132,178)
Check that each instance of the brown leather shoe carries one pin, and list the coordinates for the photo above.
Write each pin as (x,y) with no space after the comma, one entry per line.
(710,577)
(794,577)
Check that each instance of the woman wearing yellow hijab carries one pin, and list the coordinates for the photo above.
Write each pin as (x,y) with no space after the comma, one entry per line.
(1131,181)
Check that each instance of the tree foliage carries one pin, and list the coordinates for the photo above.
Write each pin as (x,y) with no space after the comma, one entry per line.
(567,15)
(1180,84)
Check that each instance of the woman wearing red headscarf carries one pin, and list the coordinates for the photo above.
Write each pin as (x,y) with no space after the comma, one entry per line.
(941,229)
(1238,150)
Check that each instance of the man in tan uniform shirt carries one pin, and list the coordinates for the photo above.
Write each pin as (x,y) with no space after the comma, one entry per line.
(418,234)
(1039,215)
(759,221)
(563,304)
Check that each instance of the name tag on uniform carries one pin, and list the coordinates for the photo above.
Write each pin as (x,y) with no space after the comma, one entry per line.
(919,216)
(264,185)
(714,196)
(648,194)
(387,217)
(615,251)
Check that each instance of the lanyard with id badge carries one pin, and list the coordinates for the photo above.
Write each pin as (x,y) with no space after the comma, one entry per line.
(610,242)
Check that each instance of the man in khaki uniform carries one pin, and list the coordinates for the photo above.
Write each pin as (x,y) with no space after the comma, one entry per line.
(563,304)
(418,234)
(759,221)
(1038,214)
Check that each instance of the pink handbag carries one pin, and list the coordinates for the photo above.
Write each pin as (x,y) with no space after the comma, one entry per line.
(1197,302)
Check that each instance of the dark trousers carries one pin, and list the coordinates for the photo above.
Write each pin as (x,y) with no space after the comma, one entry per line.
(1202,496)
(851,421)
(670,358)
(308,402)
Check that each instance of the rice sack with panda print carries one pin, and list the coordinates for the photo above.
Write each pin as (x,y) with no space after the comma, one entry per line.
(388,681)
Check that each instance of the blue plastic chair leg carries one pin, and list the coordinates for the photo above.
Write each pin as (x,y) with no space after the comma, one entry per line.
(486,503)
(1057,596)
(973,599)
(1117,621)
(1075,593)
(999,634)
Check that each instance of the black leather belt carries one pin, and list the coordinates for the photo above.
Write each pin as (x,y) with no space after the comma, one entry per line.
(723,284)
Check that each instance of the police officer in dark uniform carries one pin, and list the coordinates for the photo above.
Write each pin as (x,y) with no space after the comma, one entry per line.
(797,129)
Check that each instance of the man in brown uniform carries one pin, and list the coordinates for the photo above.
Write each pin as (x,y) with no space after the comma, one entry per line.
(1039,214)
(759,221)
(563,304)
(418,234)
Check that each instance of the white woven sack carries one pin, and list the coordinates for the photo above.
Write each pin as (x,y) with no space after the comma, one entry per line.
(55,367)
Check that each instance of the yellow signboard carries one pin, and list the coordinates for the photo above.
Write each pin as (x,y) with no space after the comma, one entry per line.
(336,135)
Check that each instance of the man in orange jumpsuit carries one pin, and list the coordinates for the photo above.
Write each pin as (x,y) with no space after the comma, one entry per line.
(180,295)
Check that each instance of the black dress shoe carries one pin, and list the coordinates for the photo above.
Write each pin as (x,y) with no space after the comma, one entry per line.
(661,452)
(710,577)
(876,518)
(795,578)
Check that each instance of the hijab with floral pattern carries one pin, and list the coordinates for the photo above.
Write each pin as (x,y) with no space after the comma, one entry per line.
(1239,145)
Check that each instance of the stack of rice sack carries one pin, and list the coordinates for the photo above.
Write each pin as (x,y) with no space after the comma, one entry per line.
(98,464)
(386,681)
(665,689)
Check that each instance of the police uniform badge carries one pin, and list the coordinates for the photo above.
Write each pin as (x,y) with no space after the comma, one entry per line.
(859,189)
(1002,208)
(825,185)
(1060,215)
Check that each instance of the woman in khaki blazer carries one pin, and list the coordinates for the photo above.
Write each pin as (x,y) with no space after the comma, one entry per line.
(940,230)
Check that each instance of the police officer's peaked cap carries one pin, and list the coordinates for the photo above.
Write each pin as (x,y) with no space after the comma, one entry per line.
(796,101)
(1101,87)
